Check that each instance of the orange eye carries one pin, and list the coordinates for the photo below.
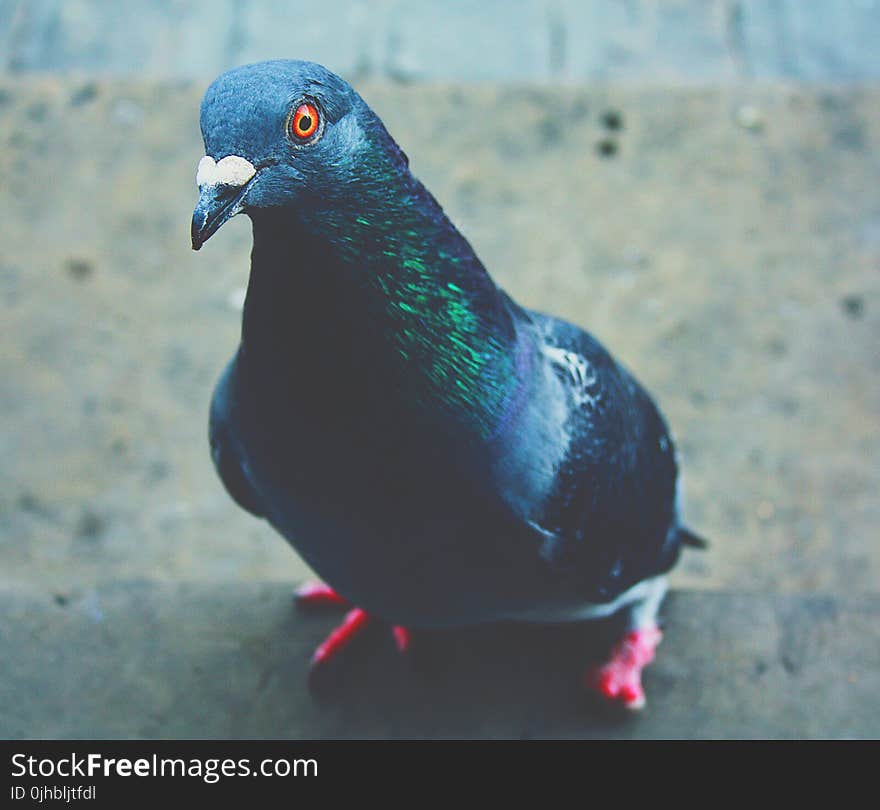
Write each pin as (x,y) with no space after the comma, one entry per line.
(304,122)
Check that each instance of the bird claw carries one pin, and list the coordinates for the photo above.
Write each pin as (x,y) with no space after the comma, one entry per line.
(317,594)
(620,678)
(354,623)
(402,638)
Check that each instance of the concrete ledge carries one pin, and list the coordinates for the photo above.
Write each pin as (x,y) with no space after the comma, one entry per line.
(148,660)
(729,259)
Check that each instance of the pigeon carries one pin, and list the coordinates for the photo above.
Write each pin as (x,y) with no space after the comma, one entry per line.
(438,454)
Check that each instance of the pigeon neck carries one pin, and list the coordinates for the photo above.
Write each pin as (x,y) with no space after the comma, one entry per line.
(387,283)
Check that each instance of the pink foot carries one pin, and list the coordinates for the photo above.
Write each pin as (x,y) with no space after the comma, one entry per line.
(356,620)
(402,638)
(620,678)
(317,593)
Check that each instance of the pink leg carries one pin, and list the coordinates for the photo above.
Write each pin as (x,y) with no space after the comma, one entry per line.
(620,678)
(356,620)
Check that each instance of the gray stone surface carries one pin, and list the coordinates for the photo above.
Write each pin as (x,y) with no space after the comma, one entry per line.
(685,41)
(230,661)
(735,271)
(724,243)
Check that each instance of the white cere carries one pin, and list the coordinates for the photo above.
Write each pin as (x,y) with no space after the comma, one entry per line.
(232,171)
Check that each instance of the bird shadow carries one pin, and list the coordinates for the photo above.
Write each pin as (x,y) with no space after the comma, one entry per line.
(507,681)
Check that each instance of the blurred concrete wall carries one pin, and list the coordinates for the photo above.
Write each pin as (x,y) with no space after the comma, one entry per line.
(667,40)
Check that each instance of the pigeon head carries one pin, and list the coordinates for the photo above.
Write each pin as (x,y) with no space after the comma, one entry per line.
(280,134)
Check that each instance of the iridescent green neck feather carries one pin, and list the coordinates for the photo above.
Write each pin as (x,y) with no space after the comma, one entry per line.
(446,330)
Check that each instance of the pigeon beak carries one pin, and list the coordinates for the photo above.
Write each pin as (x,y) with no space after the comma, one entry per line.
(222,188)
